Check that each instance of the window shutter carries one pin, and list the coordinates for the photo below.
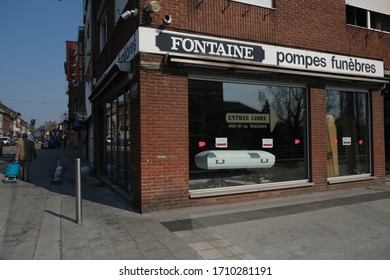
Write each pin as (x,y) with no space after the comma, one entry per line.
(260,3)
(379,6)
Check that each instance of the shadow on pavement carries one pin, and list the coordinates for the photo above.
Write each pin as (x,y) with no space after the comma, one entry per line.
(42,173)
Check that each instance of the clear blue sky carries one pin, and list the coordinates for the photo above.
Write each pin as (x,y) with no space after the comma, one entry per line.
(32,55)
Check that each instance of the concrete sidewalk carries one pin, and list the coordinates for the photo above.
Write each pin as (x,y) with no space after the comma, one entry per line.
(38,221)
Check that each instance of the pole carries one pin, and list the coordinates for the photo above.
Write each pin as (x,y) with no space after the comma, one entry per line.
(78,191)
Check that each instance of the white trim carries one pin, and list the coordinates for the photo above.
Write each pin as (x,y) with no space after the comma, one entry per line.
(212,62)
(379,6)
(351,178)
(349,89)
(249,188)
(260,3)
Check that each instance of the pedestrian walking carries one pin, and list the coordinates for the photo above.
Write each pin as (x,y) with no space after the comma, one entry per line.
(25,153)
(59,142)
(64,140)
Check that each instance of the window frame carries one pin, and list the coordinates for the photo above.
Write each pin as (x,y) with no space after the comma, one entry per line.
(379,6)
(364,176)
(207,192)
(103,32)
(368,18)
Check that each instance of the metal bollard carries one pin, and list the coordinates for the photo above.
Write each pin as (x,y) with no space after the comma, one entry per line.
(78,190)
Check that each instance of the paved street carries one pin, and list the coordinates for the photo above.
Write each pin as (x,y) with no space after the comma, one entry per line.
(38,221)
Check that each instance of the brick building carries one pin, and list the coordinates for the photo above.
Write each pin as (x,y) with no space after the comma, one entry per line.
(199,102)
(11,123)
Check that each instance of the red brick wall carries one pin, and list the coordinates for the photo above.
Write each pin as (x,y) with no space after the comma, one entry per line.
(308,24)
(236,20)
(378,139)
(164,140)
(312,24)
(318,136)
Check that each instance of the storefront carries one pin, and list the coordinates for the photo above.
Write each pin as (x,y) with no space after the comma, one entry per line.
(257,119)
(245,134)
(117,141)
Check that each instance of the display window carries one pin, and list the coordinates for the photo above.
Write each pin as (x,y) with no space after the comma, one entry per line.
(117,141)
(348,133)
(246,134)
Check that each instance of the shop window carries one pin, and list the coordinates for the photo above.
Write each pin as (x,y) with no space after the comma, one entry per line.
(111,140)
(108,140)
(117,160)
(246,134)
(121,135)
(127,142)
(347,119)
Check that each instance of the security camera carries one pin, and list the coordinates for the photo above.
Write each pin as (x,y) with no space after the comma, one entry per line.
(167,19)
(128,13)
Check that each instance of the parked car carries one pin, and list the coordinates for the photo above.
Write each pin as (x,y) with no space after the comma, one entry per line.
(5,141)
(110,140)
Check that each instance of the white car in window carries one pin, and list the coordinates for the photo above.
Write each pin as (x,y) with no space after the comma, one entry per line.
(5,141)
(109,139)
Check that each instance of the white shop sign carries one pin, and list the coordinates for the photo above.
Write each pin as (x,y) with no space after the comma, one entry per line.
(163,42)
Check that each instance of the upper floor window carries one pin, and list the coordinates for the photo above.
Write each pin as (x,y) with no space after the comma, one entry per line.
(260,3)
(103,32)
(357,16)
(380,21)
(368,19)
(378,6)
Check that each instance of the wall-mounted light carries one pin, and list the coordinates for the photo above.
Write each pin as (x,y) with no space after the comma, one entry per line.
(127,14)
(167,19)
(125,67)
(153,7)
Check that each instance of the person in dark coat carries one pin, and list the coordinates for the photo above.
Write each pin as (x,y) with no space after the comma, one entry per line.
(25,153)
(64,140)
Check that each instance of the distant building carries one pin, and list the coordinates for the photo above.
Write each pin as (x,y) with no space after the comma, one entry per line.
(77,115)
(11,123)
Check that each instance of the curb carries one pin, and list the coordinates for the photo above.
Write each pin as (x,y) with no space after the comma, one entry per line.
(57,177)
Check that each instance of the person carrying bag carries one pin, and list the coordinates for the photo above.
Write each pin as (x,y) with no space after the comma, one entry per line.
(25,153)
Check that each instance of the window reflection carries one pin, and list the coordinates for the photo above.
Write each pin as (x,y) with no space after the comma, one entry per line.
(117,141)
(237,130)
(348,133)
